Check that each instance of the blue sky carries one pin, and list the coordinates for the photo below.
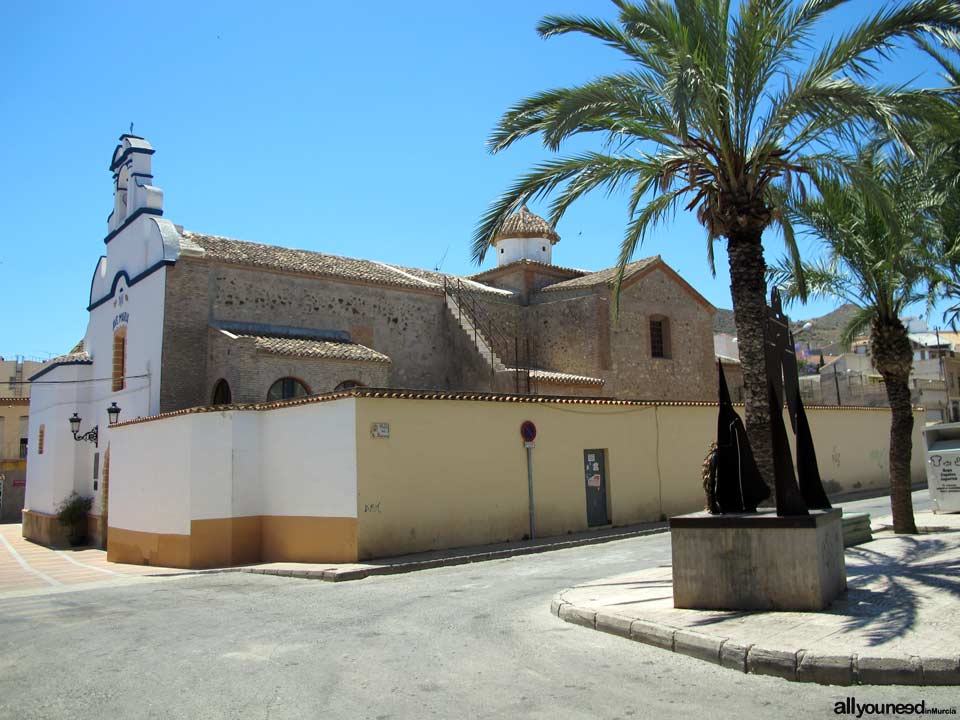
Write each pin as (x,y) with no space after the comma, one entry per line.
(349,128)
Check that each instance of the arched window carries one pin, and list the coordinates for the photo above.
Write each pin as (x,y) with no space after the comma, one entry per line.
(659,336)
(286,388)
(221,393)
(347,384)
(119,359)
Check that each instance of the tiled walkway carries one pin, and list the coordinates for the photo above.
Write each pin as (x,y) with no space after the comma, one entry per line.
(26,566)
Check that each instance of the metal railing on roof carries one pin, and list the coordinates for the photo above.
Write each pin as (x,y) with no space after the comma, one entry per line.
(502,344)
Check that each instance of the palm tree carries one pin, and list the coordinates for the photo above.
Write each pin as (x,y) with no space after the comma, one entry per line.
(942,141)
(881,259)
(719,110)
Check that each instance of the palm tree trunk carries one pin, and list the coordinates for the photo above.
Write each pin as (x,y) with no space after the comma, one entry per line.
(901,450)
(748,288)
(893,358)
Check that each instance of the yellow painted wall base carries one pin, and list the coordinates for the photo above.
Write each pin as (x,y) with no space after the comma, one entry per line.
(239,541)
(44,529)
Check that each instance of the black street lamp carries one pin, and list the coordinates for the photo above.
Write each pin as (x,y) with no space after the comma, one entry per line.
(113,413)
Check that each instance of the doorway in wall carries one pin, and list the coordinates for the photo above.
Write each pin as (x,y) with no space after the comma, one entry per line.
(595,483)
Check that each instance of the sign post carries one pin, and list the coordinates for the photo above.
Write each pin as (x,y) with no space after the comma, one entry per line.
(528,431)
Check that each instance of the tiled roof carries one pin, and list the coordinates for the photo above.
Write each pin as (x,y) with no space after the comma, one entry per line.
(523,262)
(548,377)
(603,277)
(524,224)
(71,358)
(298,347)
(242,252)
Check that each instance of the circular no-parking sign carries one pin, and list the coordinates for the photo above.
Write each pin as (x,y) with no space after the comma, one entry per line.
(528,431)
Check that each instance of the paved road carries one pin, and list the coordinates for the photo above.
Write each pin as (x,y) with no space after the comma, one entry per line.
(468,641)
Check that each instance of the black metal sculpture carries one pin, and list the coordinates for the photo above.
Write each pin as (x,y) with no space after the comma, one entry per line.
(779,353)
(734,483)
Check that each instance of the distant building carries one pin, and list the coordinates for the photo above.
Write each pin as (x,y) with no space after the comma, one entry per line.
(14,376)
(14,423)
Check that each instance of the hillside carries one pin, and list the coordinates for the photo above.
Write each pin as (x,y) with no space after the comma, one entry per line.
(824,333)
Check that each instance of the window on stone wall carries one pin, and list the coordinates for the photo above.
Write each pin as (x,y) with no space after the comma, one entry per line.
(286,388)
(119,359)
(40,434)
(659,336)
(221,393)
(347,384)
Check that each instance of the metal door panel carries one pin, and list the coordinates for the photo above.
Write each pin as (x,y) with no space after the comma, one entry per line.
(595,484)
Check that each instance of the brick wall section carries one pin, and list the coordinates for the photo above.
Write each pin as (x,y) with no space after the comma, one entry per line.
(185,319)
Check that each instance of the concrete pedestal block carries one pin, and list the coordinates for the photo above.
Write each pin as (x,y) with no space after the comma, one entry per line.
(757,561)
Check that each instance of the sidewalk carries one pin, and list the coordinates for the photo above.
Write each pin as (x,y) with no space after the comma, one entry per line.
(446,558)
(897,623)
(26,567)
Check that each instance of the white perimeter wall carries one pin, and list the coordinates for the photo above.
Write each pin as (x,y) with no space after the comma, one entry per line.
(293,461)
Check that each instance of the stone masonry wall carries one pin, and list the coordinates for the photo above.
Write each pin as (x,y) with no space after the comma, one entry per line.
(690,373)
(566,335)
(251,373)
(408,326)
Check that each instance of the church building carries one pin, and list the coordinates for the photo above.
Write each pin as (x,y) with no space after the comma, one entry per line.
(181,319)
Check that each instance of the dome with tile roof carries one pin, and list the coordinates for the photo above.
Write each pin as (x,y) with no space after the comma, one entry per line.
(525,236)
(525,224)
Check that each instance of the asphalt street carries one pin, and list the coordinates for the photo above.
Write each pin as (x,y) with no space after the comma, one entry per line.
(459,642)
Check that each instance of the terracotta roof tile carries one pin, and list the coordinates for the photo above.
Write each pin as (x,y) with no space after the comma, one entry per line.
(549,377)
(603,277)
(525,224)
(299,347)
(70,358)
(526,262)
(243,252)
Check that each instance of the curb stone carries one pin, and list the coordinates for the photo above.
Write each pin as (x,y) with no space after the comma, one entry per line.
(941,671)
(825,669)
(652,634)
(733,655)
(614,624)
(794,665)
(578,616)
(878,670)
(766,661)
(704,647)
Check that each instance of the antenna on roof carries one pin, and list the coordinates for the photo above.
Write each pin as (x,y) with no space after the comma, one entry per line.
(131,128)
(442,258)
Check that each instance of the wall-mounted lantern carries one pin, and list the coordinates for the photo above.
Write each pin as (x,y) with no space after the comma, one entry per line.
(113,413)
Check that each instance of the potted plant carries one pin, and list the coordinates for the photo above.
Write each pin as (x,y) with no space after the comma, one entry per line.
(72,515)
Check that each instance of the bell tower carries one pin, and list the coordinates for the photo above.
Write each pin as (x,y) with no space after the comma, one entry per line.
(133,190)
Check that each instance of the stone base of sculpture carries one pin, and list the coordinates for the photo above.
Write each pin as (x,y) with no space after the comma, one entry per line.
(757,561)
